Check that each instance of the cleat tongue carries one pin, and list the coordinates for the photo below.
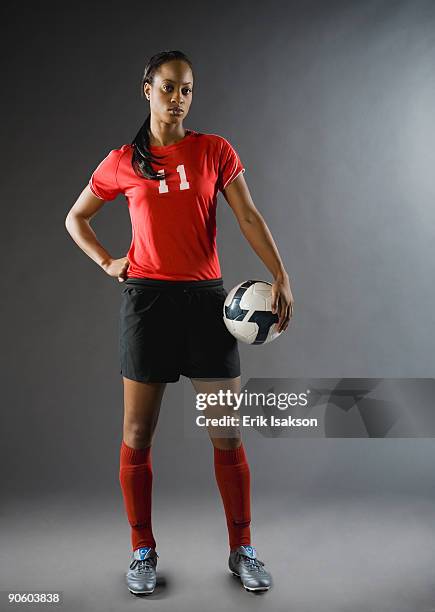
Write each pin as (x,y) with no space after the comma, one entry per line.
(142,553)
(249,551)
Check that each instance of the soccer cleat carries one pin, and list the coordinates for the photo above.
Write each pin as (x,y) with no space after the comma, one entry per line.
(243,563)
(142,576)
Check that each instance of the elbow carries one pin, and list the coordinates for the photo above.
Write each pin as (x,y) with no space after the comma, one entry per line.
(71,222)
(68,222)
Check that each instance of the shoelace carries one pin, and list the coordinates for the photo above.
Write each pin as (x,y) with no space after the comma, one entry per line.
(254,565)
(144,566)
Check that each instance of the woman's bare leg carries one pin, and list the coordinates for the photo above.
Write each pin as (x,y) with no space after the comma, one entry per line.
(142,403)
(223,438)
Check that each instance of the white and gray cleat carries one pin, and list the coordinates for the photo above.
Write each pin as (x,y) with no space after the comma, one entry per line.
(142,574)
(243,562)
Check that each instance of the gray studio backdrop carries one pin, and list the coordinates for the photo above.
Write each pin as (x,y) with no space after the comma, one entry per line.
(330,107)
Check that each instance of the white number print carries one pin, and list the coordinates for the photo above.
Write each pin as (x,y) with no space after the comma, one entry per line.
(184,184)
(163,188)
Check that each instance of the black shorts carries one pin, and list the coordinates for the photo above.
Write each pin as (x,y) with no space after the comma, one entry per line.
(168,328)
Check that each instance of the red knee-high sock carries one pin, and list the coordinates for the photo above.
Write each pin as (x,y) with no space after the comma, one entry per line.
(233,479)
(136,478)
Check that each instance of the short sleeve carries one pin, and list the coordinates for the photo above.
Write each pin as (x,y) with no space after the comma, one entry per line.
(103,182)
(230,165)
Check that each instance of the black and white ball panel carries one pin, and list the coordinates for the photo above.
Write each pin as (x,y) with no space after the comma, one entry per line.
(247,312)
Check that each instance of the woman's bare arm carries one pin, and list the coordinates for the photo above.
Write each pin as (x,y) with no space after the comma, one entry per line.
(256,232)
(77,223)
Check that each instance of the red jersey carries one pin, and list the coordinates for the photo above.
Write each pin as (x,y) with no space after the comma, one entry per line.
(173,220)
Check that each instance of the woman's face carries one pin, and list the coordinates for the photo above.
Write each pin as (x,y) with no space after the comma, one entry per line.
(172,88)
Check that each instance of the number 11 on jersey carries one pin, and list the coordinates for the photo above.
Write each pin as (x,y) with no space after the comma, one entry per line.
(163,188)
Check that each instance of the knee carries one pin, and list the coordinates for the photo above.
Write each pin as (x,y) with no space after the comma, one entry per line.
(226,443)
(137,436)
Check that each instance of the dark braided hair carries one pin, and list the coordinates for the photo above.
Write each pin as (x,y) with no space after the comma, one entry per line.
(142,157)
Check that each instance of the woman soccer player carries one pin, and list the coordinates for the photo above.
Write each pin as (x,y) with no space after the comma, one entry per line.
(171,305)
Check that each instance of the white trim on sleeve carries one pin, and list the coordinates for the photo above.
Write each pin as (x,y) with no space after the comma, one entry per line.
(232,178)
(93,190)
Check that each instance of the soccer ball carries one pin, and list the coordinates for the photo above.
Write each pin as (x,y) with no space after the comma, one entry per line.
(248,315)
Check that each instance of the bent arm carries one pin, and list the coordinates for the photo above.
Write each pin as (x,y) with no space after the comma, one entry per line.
(77,223)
